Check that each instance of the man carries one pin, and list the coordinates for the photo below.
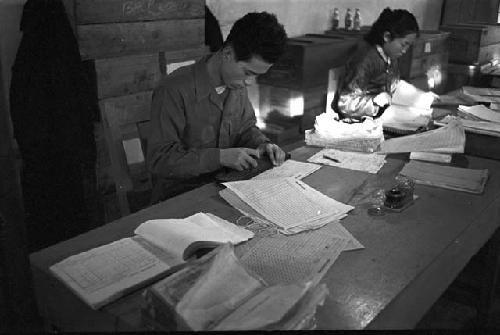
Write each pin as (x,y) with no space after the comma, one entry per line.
(201,117)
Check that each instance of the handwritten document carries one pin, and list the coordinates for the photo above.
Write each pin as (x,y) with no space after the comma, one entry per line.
(288,202)
(105,273)
(289,168)
(359,161)
(482,112)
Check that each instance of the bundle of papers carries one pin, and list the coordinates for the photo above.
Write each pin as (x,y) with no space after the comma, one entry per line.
(459,179)
(287,203)
(448,139)
(410,109)
(330,132)
(368,162)
(218,293)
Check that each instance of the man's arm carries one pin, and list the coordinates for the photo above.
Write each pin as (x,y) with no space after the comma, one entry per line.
(167,155)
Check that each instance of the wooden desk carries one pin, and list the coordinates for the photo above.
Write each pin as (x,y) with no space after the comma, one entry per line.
(409,260)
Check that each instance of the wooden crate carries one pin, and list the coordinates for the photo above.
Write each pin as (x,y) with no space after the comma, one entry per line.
(307,60)
(473,43)
(126,75)
(119,39)
(459,75)
(131,74)
(429,51)
(464,11)
(114,11)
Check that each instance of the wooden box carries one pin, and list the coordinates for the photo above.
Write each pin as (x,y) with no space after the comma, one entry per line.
(464,11)
(473,43)
(125,75)
(430,51)
(307,60)
(459,75)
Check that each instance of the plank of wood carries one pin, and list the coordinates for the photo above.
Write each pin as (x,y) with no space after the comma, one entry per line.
(119,39)
(126,75)
(131,108)
(109,11)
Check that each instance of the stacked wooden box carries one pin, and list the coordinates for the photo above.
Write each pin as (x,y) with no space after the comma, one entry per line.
(296,86)
(471,46)
(131,45)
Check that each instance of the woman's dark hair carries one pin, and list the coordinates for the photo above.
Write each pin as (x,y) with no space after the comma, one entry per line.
(398,22)
(257,34)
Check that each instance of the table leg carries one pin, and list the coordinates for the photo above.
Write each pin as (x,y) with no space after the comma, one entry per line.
(490,279)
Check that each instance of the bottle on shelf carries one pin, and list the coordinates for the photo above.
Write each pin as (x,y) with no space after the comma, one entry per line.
(334,19)
(357,20)
(348,19)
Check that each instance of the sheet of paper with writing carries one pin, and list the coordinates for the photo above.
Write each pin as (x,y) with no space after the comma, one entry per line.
(460,179)
(289,168)
(359,161)
(105,273)
(482,112)
(448,139)
(288,202)
(473,126)
(297,258)
(408,95)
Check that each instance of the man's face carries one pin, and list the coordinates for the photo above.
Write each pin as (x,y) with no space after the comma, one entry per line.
(238,74)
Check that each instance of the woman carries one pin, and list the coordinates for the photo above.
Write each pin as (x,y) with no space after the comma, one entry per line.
(372,73)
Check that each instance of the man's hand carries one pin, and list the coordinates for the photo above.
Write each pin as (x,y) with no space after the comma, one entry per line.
(382,99)
(239,158)
(276,155)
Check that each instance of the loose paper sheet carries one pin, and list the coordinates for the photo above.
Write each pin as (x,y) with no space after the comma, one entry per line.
(481,91)
(368,162)
(478,127)
(482,112)
(408,95)
(289,168)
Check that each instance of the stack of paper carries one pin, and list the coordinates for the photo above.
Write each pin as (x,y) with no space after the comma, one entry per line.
(466,180)
(330,132)
(410,109)
(449,139)
(218,293)
(287,203)
(359,161)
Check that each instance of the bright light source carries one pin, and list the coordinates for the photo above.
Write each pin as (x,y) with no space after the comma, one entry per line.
(297,106)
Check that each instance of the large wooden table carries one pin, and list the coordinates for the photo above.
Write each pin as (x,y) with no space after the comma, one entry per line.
(409,260)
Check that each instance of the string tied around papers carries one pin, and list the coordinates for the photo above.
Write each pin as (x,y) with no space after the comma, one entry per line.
(257,226)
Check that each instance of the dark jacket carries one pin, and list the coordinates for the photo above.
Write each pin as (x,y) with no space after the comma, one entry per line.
(366,75)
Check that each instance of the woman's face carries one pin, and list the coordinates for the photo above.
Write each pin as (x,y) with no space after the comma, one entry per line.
(396,47)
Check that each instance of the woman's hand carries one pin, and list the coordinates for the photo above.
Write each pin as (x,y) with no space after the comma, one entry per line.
(382,99)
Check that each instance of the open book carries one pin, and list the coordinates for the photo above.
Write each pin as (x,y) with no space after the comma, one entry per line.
(410,109)
(103,274)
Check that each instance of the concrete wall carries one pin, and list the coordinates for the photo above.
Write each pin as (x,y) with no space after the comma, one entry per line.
(312,16)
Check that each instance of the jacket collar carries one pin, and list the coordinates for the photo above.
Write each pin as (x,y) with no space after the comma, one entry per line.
(203,87)
(382,54)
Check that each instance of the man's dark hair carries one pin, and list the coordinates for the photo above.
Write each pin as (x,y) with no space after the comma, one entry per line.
(398,23)
(257,34)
